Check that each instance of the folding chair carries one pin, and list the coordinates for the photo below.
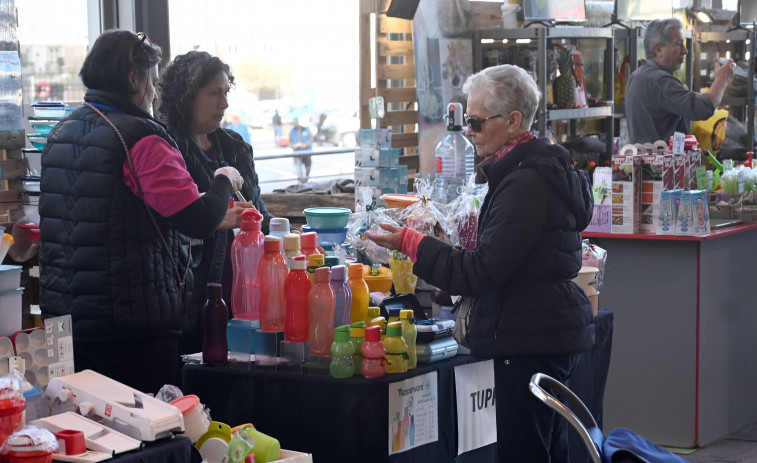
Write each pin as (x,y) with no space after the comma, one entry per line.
(620,446)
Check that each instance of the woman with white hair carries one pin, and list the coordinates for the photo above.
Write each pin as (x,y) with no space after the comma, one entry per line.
(528,315)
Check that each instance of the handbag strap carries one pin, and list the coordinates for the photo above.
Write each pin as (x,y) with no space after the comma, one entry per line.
(182,279)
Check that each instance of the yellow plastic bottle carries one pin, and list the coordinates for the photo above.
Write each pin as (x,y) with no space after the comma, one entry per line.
(315,261)
(373,312)
(381,323)
(360,295)
(410,333)
(396,349)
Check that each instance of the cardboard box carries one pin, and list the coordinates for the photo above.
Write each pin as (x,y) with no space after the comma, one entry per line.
(657,175)
(679,171)
(377,157)
(601,219)
(376,177)
(692,160)
(693,214)
(626,193)
(666,222)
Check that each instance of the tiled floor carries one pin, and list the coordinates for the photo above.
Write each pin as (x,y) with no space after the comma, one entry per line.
(738,447)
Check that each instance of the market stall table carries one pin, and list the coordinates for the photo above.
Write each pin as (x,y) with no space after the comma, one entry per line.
(177,449)
(347,420)
(684,346)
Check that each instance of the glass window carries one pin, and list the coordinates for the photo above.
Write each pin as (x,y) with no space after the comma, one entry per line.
(297,57)
(53,38)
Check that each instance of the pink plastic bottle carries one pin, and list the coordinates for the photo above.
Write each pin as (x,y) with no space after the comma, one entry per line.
(248,244)
(309,244)
(321,314)
(297,289)
(272,273)
(373,351)
(342,295)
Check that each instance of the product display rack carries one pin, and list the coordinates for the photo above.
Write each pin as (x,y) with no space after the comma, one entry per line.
(543,37)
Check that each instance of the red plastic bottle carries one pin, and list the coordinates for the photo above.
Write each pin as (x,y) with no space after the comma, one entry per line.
(215,314)
(321,302)
(297,289)
(374,353)
(247,244)
(272,273)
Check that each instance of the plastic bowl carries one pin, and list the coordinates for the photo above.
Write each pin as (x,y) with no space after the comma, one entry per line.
(37,141)
(51,109)
(325,236)
(44,128)
(398,200)
(327,218)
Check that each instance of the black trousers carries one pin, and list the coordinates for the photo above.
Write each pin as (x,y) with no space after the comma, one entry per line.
(527,429)
(146,364)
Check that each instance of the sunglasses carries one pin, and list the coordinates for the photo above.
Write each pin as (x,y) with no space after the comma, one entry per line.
(143,38)
(476,124)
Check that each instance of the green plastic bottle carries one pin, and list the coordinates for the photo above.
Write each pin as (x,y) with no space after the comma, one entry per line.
(396,349)
(342,352)
(410,333)
(357,337)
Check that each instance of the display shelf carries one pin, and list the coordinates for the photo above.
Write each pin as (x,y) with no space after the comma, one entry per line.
(580,113)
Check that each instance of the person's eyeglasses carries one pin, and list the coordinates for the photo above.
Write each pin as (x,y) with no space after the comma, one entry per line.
(476,124)
(143,38)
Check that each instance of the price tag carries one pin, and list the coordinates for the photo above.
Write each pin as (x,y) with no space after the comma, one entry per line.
(678,142)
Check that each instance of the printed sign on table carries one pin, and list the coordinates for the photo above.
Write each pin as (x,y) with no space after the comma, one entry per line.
(476,414)
(60,346)
(413,413)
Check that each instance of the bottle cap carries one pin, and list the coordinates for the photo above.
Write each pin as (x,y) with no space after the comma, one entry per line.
(331,261)
(322,274)
(373,334)
(338,272)
(291,242)
(298,262)
(214,290)
(406,313)
(378,321)
(360,324)
(279,225)
(309,240)
(373,312)
(316,260)
(251,215)
(342,333)
(394,329)
(355,271)
(272,243)
(357,332)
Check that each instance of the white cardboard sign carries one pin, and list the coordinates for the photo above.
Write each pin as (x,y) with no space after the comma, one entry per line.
(476,414)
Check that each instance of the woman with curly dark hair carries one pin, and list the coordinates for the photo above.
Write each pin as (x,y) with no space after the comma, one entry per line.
(193,99)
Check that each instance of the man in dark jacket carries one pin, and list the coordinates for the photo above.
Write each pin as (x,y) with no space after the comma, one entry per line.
(528,315)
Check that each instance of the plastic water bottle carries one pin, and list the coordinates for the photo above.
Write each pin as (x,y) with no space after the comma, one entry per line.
(291,244)
(272,272)
(309,244)
(342,295)
(278,226)
(321,314)
(215,314)
(342,354)
(454,157)
(246,251)
(360,295)
(396,349)
(410,333)
(297,289)
(357,338)
(373,351)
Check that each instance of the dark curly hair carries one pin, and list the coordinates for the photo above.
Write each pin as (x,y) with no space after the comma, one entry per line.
(180,83)
(115,54)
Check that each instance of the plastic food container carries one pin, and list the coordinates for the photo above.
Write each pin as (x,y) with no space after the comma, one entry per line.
(10,311)
(327,218)
(327,236)
(10,277)
(51,109)
(37,140)
(381,283)
(43,127)
(196,421)
(398,200)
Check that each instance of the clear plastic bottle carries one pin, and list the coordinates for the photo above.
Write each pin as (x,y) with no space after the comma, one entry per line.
(272,273)
(410,333)
(215,314)
(361,297)
(247,245)
(342,295)
(297,289)
(291,245)
(342,354)
(373,350)
(321,314)
(278,226)
(396,349)
(357,338)
(454,157)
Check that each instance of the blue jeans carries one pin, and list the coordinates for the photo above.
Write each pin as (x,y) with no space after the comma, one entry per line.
(527,429)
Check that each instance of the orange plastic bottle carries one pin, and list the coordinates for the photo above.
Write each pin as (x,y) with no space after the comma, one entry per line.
(321,303)
(272,273)
(360,295)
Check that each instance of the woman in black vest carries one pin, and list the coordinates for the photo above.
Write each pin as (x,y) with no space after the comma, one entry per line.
(116,204)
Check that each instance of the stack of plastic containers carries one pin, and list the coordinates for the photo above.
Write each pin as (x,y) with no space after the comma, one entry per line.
(330,223)
(10,299)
